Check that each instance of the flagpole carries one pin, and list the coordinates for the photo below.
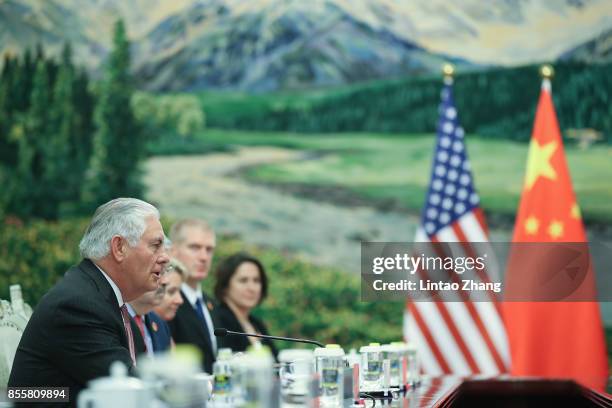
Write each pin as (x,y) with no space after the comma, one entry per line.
(448,70)
(547,72)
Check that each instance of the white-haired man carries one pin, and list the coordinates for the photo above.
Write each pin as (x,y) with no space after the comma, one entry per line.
(82,324)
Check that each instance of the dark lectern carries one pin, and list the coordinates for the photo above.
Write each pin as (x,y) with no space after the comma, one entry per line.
(522,392)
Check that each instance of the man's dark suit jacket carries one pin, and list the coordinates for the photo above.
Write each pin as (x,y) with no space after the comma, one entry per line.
(186,327)
(73,336)
(228,320)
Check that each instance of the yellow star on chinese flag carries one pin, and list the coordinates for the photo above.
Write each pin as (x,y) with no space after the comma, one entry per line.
(532,225)
(555,229)
(538,162)
(575,212)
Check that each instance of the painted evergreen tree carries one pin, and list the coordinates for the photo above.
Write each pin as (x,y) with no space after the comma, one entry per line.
(23,81)
(58,181)
(82,136)
(28,192)
(7,102)
(8,148)
(118,143)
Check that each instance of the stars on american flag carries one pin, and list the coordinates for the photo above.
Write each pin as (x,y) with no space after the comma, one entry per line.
(451,192)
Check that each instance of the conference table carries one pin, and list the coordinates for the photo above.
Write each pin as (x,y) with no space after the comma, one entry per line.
(449,391)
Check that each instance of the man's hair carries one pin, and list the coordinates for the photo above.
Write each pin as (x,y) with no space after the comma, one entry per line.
(122,216)
(176,231)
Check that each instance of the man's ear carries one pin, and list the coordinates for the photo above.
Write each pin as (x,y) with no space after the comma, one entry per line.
(118,248)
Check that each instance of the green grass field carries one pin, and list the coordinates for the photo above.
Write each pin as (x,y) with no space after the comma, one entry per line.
(221,104)
(384,166)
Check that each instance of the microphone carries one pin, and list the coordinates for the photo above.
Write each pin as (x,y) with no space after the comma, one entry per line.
(221,332)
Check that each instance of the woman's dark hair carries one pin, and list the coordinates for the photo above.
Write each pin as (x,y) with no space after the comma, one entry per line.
(227,268)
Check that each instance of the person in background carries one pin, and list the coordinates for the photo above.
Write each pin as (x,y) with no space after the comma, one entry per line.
(241,284)
(173,278)
(193,244)
(82,325)
(153,334)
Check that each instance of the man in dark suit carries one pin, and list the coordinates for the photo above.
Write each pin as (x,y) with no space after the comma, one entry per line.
(193,244)
(81,325)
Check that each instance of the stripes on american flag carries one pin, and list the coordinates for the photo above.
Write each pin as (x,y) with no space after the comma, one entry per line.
(462,337)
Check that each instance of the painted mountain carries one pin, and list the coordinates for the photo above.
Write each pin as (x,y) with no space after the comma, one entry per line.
(597,50)
(261,45)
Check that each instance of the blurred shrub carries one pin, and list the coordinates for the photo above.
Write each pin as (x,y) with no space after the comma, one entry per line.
(36,254)
(304,300)
(178,114)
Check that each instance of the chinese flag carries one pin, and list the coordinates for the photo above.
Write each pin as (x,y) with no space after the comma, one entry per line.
(553,339)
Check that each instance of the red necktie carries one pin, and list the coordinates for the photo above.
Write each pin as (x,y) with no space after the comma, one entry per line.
(128,329)
(140,324)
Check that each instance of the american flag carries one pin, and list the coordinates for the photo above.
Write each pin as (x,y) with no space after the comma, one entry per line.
(463,337)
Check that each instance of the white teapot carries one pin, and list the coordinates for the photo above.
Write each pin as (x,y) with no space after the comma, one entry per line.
(118,390)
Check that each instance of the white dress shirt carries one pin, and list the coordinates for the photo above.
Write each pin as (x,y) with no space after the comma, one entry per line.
(113,285)
(147,336)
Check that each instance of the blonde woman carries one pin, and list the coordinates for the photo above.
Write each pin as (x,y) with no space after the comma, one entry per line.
(173,279)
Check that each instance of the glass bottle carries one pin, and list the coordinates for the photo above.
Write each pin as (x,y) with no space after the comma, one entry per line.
(329,363)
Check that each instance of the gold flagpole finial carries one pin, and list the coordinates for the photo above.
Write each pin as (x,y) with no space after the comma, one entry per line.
(448,70)
(547,71)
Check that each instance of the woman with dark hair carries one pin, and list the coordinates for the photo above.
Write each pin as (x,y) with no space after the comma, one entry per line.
(241,285)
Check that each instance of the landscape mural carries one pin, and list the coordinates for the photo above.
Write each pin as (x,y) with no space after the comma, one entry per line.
(298,129)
